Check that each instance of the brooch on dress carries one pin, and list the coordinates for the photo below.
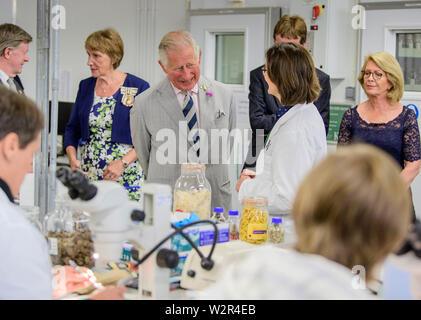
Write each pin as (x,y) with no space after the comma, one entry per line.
(129,93)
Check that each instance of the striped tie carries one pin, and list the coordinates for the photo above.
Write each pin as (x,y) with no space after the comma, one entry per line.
(190,115)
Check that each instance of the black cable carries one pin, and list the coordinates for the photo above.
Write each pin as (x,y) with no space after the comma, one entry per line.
(215,239)
(180,231)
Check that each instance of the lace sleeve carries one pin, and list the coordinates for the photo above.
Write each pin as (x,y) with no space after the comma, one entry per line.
(345,130)
(411,138)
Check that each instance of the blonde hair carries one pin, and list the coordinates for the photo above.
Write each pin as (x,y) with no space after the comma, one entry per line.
(291,27)
(173,40)
(107,41)
(353,208)
(291,68)
(391,68)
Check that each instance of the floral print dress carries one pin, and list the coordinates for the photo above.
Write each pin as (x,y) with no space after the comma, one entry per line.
(99,150)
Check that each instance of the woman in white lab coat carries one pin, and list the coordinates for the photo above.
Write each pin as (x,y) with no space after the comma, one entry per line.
(298,139)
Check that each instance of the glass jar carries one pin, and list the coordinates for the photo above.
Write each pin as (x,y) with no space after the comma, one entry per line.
(254,220)
(69,236)
(192,191)
(234,225)
(218,215)
(32,214)
(276,232)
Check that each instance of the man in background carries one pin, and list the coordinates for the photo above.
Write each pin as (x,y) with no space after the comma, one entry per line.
(264,108)
(14,46)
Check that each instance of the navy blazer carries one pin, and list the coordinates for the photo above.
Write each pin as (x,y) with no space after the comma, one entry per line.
(78,126)
(264,106)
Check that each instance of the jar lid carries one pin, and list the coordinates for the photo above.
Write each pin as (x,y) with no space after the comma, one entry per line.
(233,213)
(255,200)
(218,210)
(276,220)
(193,166)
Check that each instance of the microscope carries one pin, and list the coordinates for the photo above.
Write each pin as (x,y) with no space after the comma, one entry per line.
(115,219)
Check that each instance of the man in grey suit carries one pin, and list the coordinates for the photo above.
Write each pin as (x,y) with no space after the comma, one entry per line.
(184,118)
(14,46)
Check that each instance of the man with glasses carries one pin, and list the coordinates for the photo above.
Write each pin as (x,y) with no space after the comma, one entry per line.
(175,121)
(265,109)
(14,46)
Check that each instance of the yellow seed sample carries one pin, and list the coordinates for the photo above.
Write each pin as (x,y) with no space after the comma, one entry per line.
(197,201)
(254,225)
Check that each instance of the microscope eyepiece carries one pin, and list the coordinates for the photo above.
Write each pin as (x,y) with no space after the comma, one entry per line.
(86,190)
(63,174)
(77,183)
(138,215)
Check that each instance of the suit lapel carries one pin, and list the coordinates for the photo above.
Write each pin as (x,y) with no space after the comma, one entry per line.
(169,104)
(207,106)
(18,85)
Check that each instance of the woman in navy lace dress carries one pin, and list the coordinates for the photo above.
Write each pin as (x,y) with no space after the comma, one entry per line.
(382,120)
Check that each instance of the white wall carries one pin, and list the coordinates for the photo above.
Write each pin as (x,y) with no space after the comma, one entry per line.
(141,23)
(217,4)
(344,37)
(84,17)
(6,11)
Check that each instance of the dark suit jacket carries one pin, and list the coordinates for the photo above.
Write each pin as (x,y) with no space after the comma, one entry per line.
(263,107)
(19,85)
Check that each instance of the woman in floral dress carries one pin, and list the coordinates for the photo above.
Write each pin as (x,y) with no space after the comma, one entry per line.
(100,120)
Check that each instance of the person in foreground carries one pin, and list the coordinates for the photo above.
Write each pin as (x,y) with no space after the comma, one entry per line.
(25,271)
(383,120)
(351,211)
(100,117)
(298,139)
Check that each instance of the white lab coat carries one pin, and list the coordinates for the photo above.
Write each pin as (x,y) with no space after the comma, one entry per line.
(296,143)
(25,268)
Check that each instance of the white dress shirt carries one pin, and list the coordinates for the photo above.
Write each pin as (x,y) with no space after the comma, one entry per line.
(4,77)
(194,93)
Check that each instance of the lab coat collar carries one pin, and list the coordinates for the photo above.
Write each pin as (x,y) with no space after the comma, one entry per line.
(6,189)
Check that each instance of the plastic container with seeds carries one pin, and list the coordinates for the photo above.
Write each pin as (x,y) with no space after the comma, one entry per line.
(192,191)
(69,236)
(276,232)
(254,220)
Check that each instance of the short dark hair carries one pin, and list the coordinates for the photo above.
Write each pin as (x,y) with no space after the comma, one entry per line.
(291,27)
(291,68)
(11,36)
(20,115)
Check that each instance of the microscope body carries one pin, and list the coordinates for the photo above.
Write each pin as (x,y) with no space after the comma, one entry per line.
(111,223)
